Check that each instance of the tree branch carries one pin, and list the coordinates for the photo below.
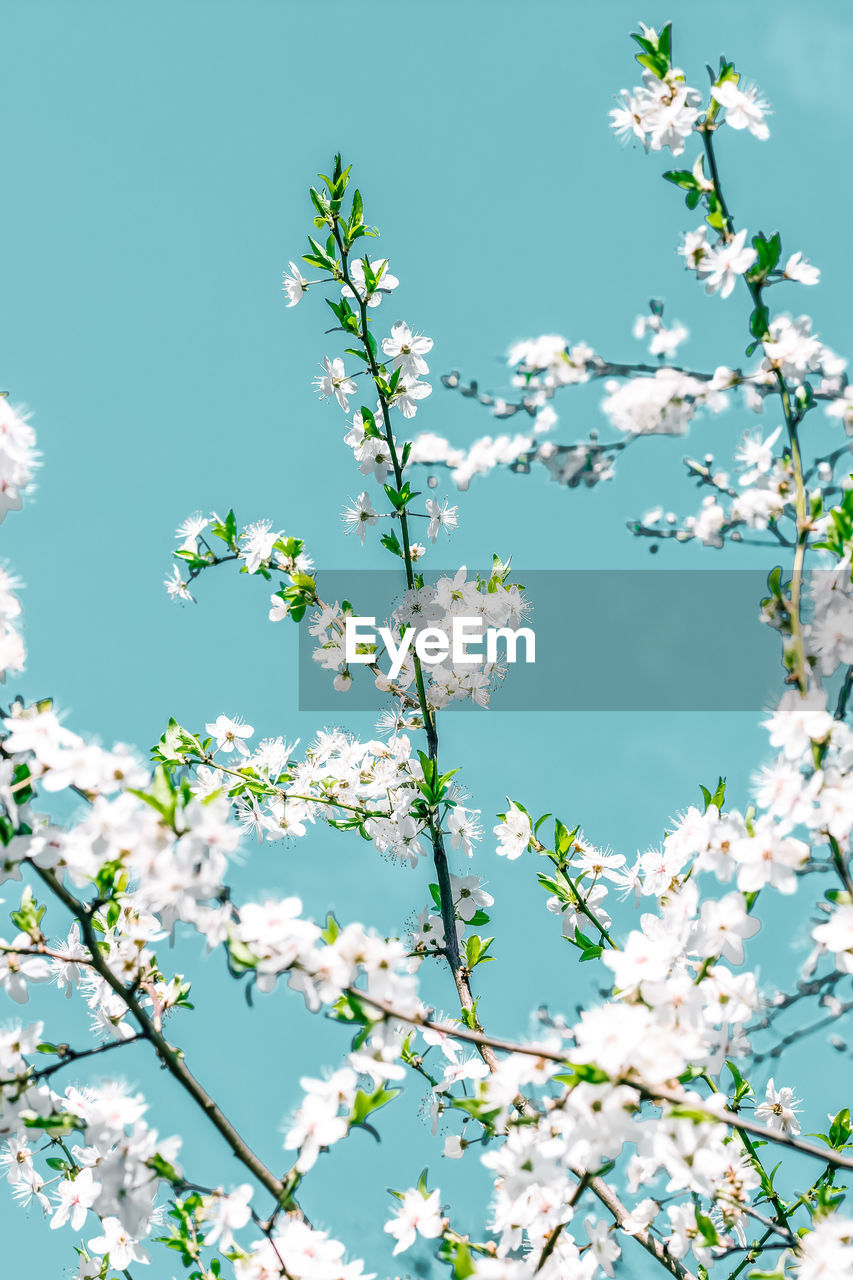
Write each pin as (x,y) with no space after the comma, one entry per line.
(171,1058)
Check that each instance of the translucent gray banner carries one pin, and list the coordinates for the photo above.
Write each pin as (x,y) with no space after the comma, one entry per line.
(606,640)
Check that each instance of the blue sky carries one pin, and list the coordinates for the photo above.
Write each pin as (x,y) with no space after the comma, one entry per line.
(156,163)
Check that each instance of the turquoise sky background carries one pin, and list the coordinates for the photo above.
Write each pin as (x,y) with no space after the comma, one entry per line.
(156,162)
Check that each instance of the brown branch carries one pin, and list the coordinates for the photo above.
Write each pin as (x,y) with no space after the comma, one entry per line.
(487,1046)
(171,1058)
(653,1093)
(70,1056)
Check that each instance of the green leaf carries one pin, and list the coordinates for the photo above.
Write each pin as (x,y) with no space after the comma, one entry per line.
(463,1267)
(28,917)
(717,798)
(742,1088)
(840,1130)
(586,1071)
(759,321)
(390,542)
(563,839)
(321,204)
(684,178)
(654,63)
(767,251)
(475,950)
(369,422)
(226,529)
(319,257)
(689,1113)
(590,953)
(366,1103)
(57,1124)
(163,1168)
(162,795)
(331,930)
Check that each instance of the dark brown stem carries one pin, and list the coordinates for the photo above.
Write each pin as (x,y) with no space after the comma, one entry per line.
(171,1058)
(461,974)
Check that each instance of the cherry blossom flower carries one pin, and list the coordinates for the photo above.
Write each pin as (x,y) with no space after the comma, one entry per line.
(257,544)
(18,456)
(75,1197)
(440,517)
(756,455)
(177,587)
(334,382)
(799,268)
(826,1252)
(360,515)
(721,264)
(230,735)
(469,896)
(386,283)
(294,285)
(778,1110)
(416,1215)
(660,114)
(513,833)
(407,350)
(226,1213)
(410,391)
(118,1244)
(744,108)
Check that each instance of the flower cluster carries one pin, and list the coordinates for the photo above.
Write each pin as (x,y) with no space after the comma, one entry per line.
(488,602)
(112,1171)
(648,1086)
(663,111)
(18,456)
(12,649)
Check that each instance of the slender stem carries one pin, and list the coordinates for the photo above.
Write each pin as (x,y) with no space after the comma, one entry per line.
(752,1254)
(45,953)
(756,1160)
(171,1058)
(805,990)
(649,1242)
(798,656)
(773,1227)
(652,1093)
(76,1055)
(580,901)
(798,662)
(461,974)
(801,1033)
(803,528)
(840,863)
(590,915)
(555,1234)
(448,911)
(781,1213)
(290,795)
